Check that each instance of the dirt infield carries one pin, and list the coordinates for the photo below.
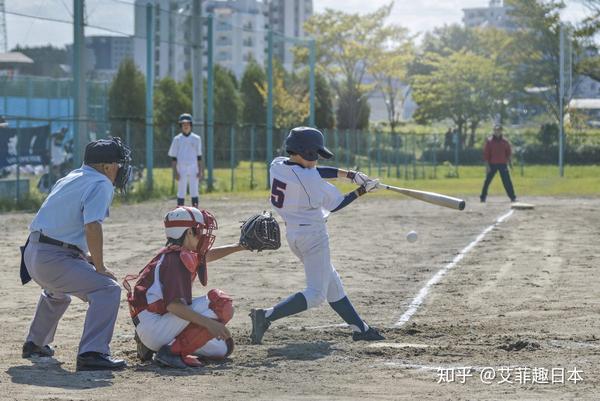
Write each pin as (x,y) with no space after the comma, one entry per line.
(523,301)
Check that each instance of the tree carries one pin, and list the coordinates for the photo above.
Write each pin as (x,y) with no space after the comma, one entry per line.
(390,69)
(126,101)
(170,101)
(463,87)
(291,105)
(536,49)
(351,101)
(324,117)
(228,104)
(345,46)
(253,110)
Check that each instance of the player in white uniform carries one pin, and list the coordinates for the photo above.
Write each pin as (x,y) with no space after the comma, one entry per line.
(302,197)
(186,155)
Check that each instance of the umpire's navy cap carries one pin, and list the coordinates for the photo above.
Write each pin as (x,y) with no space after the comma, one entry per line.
(103,151)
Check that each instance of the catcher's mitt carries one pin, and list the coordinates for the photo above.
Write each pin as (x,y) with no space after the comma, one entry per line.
(260,232)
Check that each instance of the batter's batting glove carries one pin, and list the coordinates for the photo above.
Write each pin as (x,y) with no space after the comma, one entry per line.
(369,186)
(357,177)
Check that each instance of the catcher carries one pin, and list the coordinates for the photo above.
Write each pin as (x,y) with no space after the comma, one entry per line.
(168,321)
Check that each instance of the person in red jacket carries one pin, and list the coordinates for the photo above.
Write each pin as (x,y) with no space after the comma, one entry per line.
(497,153)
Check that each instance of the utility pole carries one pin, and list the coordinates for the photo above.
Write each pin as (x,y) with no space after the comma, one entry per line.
(3,36)
(149,97)
(197,73)
(561,97)
(79,85)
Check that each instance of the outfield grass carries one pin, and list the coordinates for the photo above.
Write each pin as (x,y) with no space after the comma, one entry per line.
(530,181)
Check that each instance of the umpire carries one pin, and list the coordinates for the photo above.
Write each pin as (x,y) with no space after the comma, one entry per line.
(497,153)
(64,255)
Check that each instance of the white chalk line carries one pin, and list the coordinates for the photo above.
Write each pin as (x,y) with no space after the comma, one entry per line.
(418,300)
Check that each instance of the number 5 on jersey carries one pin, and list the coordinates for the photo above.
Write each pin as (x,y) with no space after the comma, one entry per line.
(277,194)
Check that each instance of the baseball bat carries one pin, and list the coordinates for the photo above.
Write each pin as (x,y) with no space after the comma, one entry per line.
(430,197)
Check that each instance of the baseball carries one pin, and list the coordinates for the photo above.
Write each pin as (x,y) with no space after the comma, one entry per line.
(412,236)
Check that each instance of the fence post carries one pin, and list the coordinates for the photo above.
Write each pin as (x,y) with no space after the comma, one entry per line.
(252,134)
(18,197)
(336,145)
(456,144)
(347,147)
(397,153)
(369,149)
(172,174)
(434,154)
(378,146)
(232,153)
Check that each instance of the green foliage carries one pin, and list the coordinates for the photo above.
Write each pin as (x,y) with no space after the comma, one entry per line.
(463,87)
(353,109)
(548,134)
(346,44)
(126,101)
(228,103)
(254,109)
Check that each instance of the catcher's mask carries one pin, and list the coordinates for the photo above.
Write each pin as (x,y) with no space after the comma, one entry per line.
(202,223)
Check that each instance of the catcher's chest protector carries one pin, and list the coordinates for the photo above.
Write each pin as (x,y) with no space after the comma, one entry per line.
(137,297)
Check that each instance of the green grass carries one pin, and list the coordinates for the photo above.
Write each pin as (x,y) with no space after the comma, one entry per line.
(534,181)
(530,181)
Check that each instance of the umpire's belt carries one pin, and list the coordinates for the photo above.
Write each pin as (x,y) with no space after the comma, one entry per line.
(136,321)
(52,241)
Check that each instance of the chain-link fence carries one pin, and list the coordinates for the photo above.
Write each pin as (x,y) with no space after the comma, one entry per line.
(35,152)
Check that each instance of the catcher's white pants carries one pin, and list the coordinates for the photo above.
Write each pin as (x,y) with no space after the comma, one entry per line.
(157,330)
(311,245)
(188,173)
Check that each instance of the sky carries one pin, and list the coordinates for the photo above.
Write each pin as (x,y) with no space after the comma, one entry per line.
(417,16)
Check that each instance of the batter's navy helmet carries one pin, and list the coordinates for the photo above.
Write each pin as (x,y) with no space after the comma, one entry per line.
(308,143)
(185,118)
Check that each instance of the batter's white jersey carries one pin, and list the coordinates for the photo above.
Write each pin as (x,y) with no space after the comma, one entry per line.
(300,195)
(186,149)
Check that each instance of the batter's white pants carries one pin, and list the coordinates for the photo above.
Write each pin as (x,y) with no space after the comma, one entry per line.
(157,330)
(188,173)
(311,246)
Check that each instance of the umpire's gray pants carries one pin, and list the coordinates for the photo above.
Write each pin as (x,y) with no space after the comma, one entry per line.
(63,272)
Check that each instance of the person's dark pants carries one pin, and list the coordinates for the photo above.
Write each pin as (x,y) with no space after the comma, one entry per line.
(506,181)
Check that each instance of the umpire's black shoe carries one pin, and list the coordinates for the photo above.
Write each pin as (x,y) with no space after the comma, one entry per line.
(98,361)
(260,324)
(30,349)
(144,353)
(370,335)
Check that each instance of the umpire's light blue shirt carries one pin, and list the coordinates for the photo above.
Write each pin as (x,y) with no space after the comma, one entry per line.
(83,196)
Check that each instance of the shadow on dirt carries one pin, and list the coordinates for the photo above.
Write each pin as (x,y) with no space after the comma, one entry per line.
(48,372)
(302,351)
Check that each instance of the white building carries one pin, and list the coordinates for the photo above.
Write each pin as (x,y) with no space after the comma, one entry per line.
(495,15)
(287,18)
(240,33)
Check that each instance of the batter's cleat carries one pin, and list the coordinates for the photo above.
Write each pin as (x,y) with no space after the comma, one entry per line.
(370,335)
(168,358)
(30,349)
(144,353)
(260,324)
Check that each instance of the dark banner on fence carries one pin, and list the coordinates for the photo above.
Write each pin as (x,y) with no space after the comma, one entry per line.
(27,145)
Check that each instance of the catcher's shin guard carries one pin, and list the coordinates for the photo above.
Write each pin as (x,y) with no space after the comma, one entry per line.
(194,336)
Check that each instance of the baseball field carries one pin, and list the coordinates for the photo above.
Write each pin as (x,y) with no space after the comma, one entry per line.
(486,304)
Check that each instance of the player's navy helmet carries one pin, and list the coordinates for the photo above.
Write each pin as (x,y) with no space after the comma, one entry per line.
(308,143)
(185,118)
